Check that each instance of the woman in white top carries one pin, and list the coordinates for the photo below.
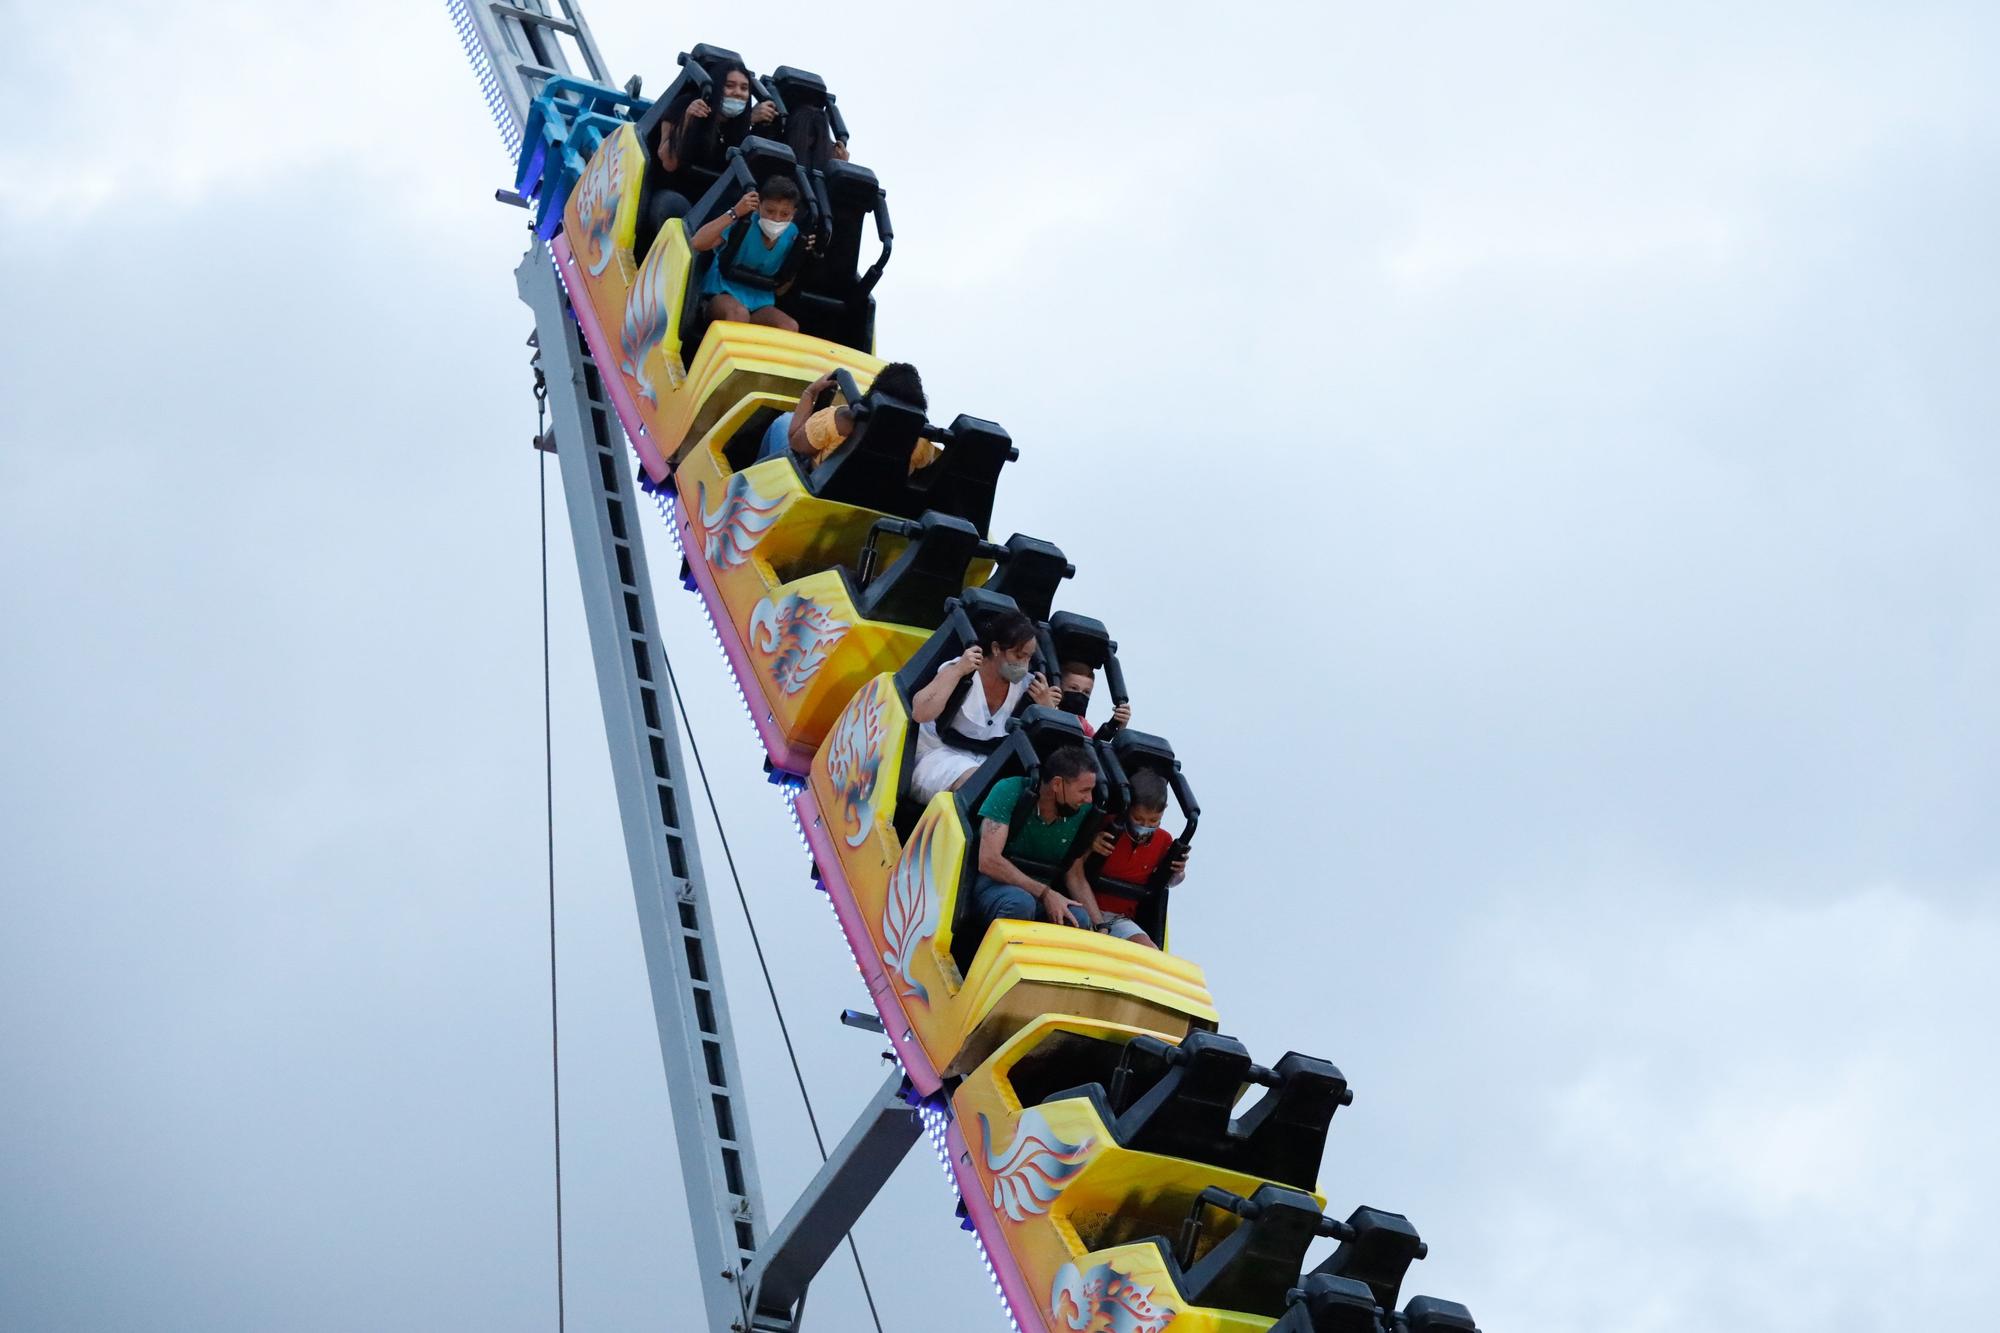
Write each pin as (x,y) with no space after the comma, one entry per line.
(991,678)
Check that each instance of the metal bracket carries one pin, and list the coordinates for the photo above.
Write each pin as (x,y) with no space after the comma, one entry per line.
(853,1175)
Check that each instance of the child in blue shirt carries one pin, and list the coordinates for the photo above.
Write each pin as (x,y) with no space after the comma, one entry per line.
(753,263)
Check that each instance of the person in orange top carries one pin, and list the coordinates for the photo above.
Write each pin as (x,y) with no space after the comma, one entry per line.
(811,432)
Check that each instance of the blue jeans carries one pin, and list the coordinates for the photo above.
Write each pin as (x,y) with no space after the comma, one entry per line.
(995,901)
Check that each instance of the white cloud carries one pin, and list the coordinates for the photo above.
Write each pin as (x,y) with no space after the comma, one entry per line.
(160,106)
(1743,1108)
(1542,447)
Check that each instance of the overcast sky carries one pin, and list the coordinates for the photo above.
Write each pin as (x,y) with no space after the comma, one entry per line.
(1538,462)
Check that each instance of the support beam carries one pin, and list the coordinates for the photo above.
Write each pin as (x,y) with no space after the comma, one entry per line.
(853,1175)
(690,1004)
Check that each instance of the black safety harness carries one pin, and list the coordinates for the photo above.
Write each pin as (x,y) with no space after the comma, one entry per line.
(746,232)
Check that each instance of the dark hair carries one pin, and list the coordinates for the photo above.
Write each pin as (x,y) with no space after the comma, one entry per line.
(1071,761)
(1149,790)
(899,380)
(1006,629)
(779,190)
(1078,667)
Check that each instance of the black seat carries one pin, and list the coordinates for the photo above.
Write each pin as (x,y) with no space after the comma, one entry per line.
(700,70)
(1253,1267)
(800,92)
(834,299)
(1082,639)
(1033,735)
(1029,574)
(1378,1251)
(756,159)
(1125,753)
(871,468)
(1284,1134)
(982,604)
(957,631)
(1186,1113)
(914,588)
(964,479)
(799,88)
(1324,1303)
(1179,1101)
(954,634)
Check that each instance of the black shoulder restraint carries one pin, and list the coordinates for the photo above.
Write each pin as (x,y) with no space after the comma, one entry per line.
(1030,799)
(1031,795)
(948,731)
(747,233)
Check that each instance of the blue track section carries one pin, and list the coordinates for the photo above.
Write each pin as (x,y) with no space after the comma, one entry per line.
(565,126)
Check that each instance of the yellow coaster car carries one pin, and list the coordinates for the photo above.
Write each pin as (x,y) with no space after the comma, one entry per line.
(1114,1185)
(1072,1082)
(898,875)
(819,578)
(1094,1143)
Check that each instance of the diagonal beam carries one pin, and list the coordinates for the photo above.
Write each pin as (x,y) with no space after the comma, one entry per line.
(853,1175)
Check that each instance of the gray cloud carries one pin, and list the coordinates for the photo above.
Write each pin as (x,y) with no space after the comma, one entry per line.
(1533,463)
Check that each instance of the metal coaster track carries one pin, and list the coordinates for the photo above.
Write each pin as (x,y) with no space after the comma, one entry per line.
(754,1274)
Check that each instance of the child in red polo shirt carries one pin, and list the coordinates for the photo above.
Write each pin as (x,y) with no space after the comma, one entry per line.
(1132,850)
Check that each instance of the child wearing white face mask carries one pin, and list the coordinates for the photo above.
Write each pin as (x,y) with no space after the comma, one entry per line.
(753,263)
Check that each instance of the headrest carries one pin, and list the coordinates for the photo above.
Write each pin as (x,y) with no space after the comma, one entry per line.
(799,87)
(851,185)
(766,158)
(1080,639)
(1030,572)
(1379,1250)
(1428,1314)
(1049,729)
(1142,749)
(713,60)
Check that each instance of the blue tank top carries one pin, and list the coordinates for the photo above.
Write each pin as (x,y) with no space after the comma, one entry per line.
(750,252)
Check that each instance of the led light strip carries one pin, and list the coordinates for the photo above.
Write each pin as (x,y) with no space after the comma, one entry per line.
(936,1123)
(937,1117)
(489,78)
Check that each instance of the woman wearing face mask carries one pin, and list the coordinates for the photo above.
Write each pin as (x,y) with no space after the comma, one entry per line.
(965,709)
(700,136)
(758,249)
(704,134)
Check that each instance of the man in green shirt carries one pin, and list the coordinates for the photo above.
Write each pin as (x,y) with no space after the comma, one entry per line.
(1040,840)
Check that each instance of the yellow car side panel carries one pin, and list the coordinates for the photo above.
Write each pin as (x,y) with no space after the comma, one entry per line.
(906,895)
(639,307)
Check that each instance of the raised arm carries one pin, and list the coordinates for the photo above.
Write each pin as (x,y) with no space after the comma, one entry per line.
(928,703)
(710,233)
(795,436)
